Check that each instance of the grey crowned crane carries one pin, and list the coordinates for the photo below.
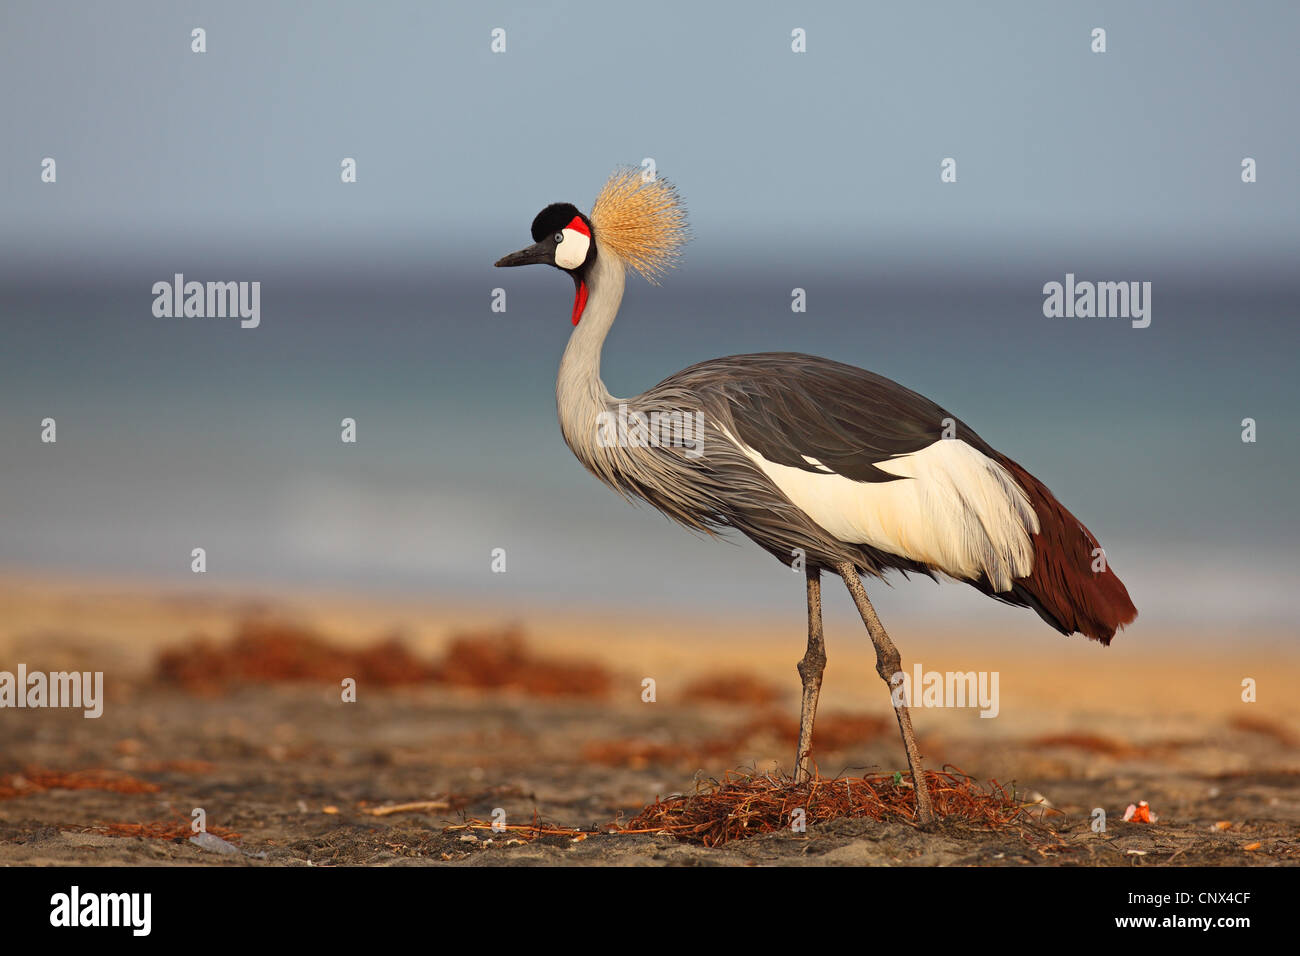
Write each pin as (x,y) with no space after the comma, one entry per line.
(813,460)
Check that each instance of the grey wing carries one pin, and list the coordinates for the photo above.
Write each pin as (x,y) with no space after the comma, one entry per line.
(791,407)
(866,459)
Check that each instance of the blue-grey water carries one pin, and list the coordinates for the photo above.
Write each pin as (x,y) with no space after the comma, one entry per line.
(175,433)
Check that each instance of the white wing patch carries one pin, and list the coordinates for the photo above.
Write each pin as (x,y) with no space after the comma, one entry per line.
(961,512)
(817,464)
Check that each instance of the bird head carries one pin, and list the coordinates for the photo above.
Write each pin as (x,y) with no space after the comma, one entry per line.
(638,221)
(561,238)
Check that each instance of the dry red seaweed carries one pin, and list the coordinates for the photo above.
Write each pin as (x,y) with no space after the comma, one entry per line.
(743,805)
(262,652)
(37,780)
(732,687)
(503,661)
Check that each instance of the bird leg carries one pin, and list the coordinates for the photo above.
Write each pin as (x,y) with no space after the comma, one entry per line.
(889,664)
(810,671)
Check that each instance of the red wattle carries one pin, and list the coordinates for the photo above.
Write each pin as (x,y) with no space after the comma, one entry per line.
(580,302)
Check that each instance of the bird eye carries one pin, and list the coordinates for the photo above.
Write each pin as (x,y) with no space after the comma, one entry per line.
(559,237)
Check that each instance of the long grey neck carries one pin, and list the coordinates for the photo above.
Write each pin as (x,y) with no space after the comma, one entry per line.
(580,395)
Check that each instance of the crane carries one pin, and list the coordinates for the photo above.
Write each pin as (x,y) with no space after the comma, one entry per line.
(817,462)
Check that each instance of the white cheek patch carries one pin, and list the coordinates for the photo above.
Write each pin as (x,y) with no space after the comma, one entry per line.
(572,252)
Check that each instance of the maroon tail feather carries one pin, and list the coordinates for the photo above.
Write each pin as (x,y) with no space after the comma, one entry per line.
(1063,588)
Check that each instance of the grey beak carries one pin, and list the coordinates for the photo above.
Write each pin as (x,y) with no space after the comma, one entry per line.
(538,252)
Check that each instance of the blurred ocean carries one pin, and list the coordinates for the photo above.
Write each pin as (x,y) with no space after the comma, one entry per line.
(175,433)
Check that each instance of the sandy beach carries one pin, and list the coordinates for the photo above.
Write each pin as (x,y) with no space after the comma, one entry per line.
(294,775)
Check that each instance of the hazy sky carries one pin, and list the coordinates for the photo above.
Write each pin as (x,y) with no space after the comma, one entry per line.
(836,149)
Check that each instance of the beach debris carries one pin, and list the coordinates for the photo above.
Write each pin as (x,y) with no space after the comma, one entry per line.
(1139,812)
(176,830)
(526,832)
(502,660)
(1266,728)
(214,844)
(1222,825)
(745,804)
(1037,805)
(742,805)
(270,652)
(37,779)
(419,806)
(732,687)
(1251,847)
